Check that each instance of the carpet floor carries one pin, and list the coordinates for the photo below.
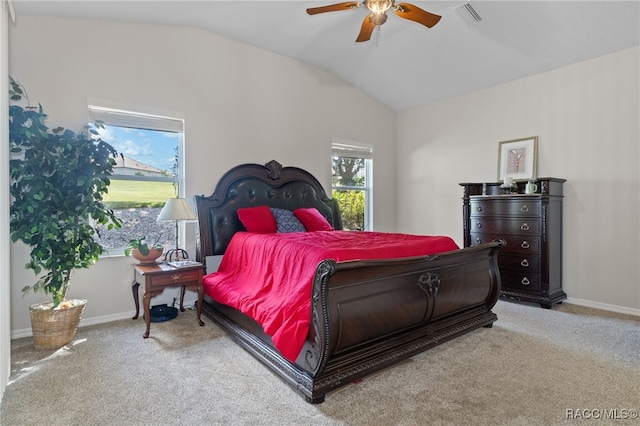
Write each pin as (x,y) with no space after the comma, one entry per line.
(567,365)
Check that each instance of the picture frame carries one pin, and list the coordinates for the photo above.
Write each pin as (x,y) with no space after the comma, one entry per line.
(517,158)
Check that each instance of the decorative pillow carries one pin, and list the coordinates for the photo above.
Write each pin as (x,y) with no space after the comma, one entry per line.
(259,220)
(287,221)
(312,220)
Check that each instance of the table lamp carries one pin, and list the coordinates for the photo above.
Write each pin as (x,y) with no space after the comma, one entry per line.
(176,209)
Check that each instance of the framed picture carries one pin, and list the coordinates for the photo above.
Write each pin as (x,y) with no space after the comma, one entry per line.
(517,158)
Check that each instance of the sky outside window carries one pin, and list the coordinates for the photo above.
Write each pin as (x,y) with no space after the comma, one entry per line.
(152,147)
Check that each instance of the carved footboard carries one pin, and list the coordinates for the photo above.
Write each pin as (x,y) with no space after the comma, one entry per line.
(369,315)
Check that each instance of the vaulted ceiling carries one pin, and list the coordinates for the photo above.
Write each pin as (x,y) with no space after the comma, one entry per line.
(404,65)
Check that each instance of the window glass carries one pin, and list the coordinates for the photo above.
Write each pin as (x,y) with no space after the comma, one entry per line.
(147,173)
(351,185)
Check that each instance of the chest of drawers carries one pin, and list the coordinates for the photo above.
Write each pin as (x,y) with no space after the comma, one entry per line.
(531,226)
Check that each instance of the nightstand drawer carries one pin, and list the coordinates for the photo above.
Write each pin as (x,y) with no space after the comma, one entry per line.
(178,277)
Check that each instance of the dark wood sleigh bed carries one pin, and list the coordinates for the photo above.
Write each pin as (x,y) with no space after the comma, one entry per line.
(365,315)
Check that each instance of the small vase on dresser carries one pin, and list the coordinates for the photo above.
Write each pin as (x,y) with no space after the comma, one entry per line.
(530,224)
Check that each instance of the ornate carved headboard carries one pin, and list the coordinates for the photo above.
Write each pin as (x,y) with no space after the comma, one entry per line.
(252,185)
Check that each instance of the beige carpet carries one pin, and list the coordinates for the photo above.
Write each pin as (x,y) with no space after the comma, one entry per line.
(534,367)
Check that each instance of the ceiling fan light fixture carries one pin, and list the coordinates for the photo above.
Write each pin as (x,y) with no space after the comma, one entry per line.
(379,7)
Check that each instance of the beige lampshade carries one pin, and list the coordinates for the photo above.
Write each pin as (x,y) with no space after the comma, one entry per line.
(176,209)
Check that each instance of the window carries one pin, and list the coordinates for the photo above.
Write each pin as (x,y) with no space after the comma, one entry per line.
(148,171)
(352,184)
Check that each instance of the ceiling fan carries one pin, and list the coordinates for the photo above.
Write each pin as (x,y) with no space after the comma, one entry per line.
(378,15)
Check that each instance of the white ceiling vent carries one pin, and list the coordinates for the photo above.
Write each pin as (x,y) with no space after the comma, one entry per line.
(469,14)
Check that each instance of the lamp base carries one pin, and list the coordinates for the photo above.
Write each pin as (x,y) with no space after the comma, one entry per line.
(175,255)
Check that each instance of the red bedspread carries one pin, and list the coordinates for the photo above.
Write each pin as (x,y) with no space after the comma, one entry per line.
(269,276)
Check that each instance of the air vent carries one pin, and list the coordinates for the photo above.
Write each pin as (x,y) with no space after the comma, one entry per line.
(469,14)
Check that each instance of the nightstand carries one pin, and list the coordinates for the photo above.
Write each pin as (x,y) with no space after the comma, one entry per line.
(160,276)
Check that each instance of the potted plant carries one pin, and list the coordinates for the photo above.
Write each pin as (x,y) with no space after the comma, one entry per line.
(58,179)
(145,253)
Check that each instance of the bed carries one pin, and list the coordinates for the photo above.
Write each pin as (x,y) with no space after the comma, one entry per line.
(363,315)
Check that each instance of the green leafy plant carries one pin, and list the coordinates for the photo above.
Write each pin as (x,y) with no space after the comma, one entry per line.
(142,246)
(351,209)
(58,180)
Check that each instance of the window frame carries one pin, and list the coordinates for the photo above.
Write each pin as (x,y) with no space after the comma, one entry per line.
(124,117)
(342,148)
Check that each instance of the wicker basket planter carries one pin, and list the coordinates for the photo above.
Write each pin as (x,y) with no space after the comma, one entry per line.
(54,328)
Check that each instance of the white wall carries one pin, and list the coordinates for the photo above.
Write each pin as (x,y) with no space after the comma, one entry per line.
(241,104)
(5,325)
(586,117)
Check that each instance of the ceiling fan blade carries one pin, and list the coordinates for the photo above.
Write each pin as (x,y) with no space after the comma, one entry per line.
(367,29)
(414,13)
(333,7)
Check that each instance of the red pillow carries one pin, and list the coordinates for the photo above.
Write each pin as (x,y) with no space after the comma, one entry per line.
(259,220)
(312,220)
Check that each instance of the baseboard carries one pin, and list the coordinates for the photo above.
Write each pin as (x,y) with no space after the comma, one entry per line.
(604,306)
(26,332)
(189,301)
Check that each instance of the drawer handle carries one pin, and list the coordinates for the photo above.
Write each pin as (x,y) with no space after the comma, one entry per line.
(479,225)
(524,227)
(175,277)
(524,245)
(479,208)
(478,241)
(525,281)
(524,262)
(524,208)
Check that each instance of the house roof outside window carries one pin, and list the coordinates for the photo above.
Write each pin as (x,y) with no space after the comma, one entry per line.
(131,167)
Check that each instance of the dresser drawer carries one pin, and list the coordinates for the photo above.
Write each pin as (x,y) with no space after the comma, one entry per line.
(525,263)
(511,207)
(524,226)
(514,243)
(523,281)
